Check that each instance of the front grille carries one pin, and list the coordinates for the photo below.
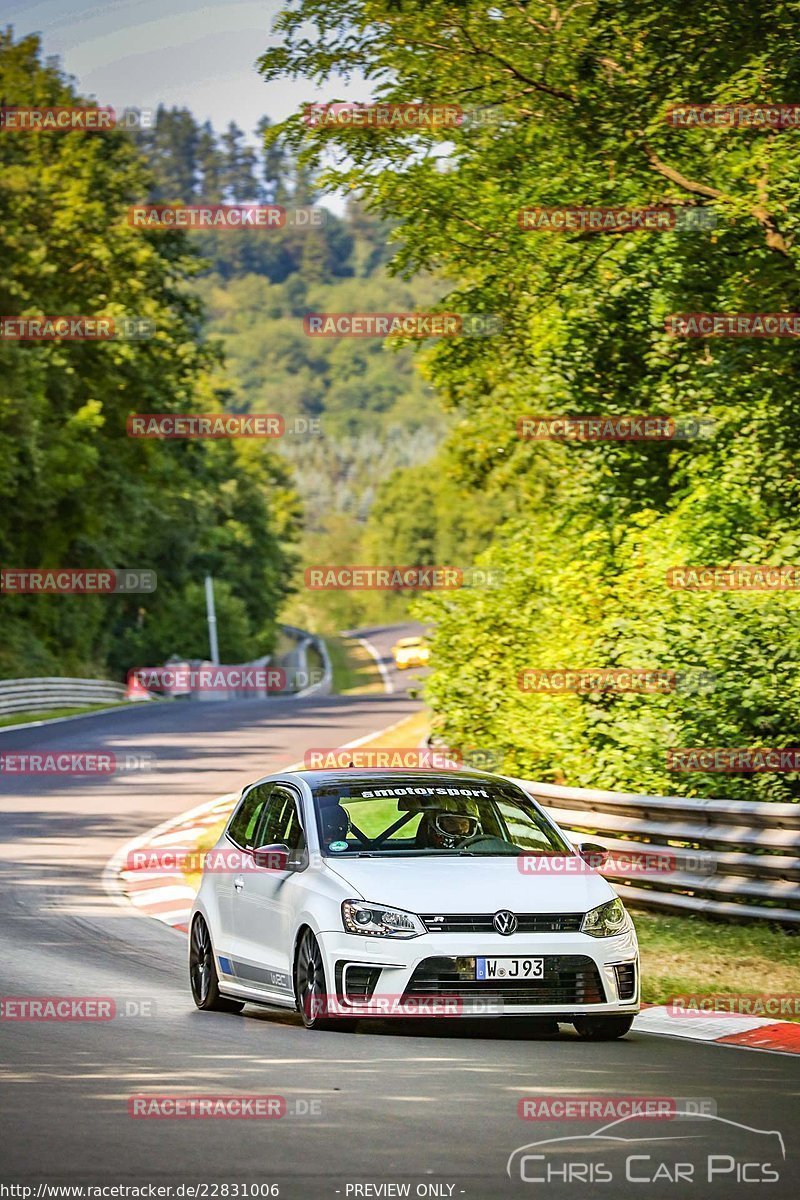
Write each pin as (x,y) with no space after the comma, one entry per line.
(626,980)
(360,981)
(569,979)
(482,922)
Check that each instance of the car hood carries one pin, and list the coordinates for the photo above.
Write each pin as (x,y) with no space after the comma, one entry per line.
(476,885)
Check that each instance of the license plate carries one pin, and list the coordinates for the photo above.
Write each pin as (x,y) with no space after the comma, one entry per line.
(490,969)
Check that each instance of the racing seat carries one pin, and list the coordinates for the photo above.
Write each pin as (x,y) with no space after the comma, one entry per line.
(422,840)
(335,823)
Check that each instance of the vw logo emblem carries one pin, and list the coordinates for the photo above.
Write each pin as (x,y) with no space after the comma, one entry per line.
(505,922)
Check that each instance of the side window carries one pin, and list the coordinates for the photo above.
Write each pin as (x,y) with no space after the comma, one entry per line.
(243,826)
(282,823)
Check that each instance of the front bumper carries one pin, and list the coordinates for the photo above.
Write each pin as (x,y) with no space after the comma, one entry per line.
(434,975)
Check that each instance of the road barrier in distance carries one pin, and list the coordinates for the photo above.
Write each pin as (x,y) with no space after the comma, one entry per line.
(41,694)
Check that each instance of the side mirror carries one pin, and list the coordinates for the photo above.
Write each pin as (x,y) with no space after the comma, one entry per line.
(272,858)
(593,855)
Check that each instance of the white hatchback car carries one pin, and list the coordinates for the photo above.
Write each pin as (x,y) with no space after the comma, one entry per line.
(349,894)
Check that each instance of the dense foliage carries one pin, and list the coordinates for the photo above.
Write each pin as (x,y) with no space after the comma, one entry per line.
(585,533)
(77,492)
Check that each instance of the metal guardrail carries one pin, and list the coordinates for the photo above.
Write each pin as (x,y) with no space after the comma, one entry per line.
(49,692)
(41,694)
(299,677)
(294,662)
(325,685)
(736,859)
(305,641)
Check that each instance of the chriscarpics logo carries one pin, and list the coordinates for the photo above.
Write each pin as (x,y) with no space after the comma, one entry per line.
(694,1153)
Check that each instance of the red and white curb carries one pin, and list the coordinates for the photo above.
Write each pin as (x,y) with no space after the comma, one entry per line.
(725,1029)
(165,895)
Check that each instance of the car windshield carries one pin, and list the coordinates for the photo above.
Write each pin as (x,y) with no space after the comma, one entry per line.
(440,816)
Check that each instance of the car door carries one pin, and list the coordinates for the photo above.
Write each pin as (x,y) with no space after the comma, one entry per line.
(263,897)
(226,863)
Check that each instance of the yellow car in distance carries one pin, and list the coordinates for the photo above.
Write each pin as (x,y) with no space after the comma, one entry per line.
(410,652)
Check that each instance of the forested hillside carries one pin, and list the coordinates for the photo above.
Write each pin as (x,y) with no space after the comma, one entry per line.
(375,411)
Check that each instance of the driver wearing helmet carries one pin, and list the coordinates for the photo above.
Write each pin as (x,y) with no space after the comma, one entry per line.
(444,830)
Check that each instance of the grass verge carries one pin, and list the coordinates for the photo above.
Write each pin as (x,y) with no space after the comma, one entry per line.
(355,671)
(51,713)
(694,956)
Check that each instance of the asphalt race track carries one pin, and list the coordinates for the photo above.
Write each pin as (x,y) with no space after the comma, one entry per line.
(397,1103)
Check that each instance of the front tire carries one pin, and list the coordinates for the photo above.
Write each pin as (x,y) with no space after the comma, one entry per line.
(310,988)
(603,1029)
(203,976)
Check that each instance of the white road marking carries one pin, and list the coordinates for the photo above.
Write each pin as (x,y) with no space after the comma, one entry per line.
(159,894)
(387,680)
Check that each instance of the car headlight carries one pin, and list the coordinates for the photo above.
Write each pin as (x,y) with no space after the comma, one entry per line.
(376,920)
(605,920)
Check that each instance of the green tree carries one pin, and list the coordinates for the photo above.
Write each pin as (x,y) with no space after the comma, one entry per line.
(172,147)
(209,165)
(577,101)
(238,166)
(77,491)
